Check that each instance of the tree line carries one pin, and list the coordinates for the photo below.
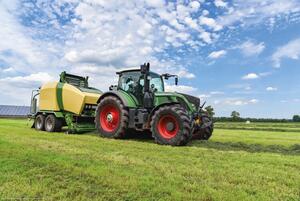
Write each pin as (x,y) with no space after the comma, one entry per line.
(236,117)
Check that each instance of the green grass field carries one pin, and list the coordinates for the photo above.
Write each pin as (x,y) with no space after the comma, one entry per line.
(233,165)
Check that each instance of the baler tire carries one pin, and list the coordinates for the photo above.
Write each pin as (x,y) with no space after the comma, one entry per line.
(118,130)
(52,123)
(39,122)
(180,117)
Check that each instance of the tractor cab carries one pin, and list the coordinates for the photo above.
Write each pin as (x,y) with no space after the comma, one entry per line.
(133,82)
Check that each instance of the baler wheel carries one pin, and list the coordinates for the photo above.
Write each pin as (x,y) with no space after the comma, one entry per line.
(39,122)
(111,118)
(171,125)
(52,124)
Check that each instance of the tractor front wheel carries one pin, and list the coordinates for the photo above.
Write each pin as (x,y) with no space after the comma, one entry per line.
(206,132)
(171,125)
(111,118)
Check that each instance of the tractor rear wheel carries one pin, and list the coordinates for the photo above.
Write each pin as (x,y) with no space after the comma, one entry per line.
(52,124)
(171,125)
(39,122)
(111,118)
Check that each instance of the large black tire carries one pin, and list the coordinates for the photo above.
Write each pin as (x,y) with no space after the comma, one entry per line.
(111,118)
(171,125)
(39,122)
(52,124)
(206,132)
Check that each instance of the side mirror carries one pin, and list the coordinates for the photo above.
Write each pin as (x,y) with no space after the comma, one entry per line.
(176,80)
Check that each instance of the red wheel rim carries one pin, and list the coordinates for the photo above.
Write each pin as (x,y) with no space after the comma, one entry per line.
(168,126)
(109,118)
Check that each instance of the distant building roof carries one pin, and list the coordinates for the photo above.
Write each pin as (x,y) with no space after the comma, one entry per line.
(14,111)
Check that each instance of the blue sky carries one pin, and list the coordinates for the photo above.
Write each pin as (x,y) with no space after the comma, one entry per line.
(237,55)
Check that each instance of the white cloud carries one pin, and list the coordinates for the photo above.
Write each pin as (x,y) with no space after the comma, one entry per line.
(217,93)
(8,70)
(210,22)
(271,89)
(248,12)
(238,101)
(105,57)
(155,3)
(211,94)
(253,101)
(265,74)
(180,88)
(28,80)
(217,54)
(205,12)
(250,76)
(206,37)
(129,35)
(36,77)
(195,5)
(291,50)
(191,22)
(17,48)
(185,74)
(247,88)
(220,3)
(204,96)
(250,48)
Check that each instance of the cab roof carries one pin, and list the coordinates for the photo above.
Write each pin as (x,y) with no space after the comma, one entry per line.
(128,70)
(132,70)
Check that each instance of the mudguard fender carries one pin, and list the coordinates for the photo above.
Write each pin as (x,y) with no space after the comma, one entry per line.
(128,100)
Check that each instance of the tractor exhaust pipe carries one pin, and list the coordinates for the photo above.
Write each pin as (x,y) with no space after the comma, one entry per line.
(145,69)
(148,95)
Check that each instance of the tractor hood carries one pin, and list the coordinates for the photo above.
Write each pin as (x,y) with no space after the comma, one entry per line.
(192,99)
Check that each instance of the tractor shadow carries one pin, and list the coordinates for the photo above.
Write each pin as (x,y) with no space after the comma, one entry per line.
(131,135)
(139,136)
(251,148)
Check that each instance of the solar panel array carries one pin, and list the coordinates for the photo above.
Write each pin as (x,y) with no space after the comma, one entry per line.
(14,111)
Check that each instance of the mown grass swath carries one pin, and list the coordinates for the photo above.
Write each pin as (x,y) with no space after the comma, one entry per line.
(233,165)
(281,127)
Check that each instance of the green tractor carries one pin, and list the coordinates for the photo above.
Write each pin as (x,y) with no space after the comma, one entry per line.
(139,102)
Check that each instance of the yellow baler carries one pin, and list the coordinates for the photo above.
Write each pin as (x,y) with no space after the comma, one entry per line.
(68,102)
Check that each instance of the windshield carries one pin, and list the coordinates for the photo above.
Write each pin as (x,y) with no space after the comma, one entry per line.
(156,82)
(133,82)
